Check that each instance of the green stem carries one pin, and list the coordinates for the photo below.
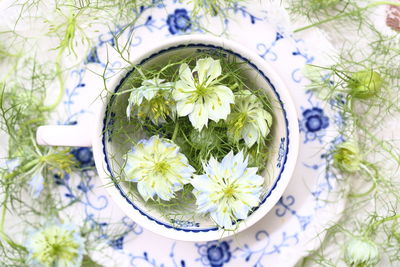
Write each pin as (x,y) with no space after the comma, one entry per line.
(4,210)
(382,143)
(376,224)
(352,195)
(60,80)
(3,235)
(175,131)
(379,3)
(304,262)
(23,169)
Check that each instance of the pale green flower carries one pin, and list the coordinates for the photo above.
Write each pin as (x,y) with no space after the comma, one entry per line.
(248,120)
(56,245)
(200,95)
(365,84)
(347,157)
(228,190)
(362,252)
(152,100)
(158,168)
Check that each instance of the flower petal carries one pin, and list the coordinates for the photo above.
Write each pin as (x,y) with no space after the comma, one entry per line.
(240,210)
(208,70)
(145,191)
(222,219)
(37,184)
(250,135)
(186,75)
(184,108)
(199,116)
(182,91)
(202,183)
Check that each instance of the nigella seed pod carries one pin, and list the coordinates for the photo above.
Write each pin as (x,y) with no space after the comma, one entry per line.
(347,158)
(365,84)
(362,252)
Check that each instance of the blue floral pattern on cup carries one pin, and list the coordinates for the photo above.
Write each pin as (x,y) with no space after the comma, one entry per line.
(84,156)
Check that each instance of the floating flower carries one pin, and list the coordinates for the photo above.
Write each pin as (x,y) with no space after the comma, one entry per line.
(199,94)
(158,168)
(228,190)
(152,100)
(365,84)
(249,120)
(57,245)
(362,252)
(347,157)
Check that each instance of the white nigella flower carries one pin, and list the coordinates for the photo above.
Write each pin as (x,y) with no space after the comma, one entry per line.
(152,100)
(56,245)
(158,168)
(227,190)
(362,252)
(199,94)
(248,120)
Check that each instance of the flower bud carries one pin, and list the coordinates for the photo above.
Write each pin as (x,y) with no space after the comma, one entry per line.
(365,84)
(347,157)
(362,252)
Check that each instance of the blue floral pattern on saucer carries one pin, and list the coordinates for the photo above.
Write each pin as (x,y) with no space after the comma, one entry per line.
(179,21)
(214,253)
(314,123)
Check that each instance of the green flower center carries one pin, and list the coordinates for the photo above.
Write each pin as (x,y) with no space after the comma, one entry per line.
(161,167)
(201,90)
(237,122)
(347,160)
(229,191)
(241,121)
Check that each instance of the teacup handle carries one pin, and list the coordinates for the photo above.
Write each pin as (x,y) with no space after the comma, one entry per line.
(64,135)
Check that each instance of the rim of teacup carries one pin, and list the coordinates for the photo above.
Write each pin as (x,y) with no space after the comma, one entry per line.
(280,182)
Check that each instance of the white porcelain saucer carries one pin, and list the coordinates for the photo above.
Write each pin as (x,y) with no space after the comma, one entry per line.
(287,232)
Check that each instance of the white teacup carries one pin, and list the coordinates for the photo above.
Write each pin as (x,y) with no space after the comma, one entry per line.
(280,164)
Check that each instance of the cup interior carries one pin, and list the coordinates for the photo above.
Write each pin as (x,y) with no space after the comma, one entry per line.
(116,145)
